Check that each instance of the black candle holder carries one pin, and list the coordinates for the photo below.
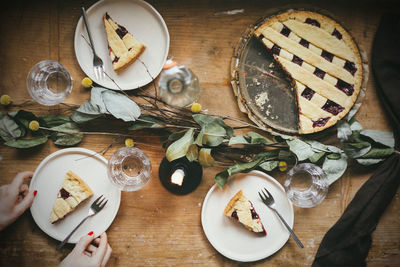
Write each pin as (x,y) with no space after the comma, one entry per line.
(193,173)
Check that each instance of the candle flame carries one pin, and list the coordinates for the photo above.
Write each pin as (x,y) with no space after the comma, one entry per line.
(177,177)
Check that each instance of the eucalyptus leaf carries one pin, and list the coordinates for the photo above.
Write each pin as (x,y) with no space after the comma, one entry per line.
(367,162)
(355,150)
(120,106)
(96,99)
(88,108)
(204,120)
(53,120)
(9,129)
(79,117)
(205,158)
(179,148)
(27,143)
(147,121)
(213,134)
(192,152)
(221,178)
(382,137)
(355,125)
(334,156)
(376,153)
(256,138)
(343,130)
(63,138)
(316,157)
(300,148)
(238,140)
(175,136)
(334,168)
(269,165)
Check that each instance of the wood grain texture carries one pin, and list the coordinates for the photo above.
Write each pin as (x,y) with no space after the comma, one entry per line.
(154,227)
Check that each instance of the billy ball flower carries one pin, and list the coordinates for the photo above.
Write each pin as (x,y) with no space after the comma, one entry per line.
(196,107)
(5,100)
(282,166)
(87,82)
(129,142)
(34,126)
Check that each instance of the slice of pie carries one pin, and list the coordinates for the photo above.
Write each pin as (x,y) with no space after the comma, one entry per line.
(73,191)
(242,210)
(123,47)
(322,59)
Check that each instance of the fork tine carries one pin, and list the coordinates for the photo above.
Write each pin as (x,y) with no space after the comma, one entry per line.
(102,206)
(262,198)
(101,202)
(268,193)
(98,199)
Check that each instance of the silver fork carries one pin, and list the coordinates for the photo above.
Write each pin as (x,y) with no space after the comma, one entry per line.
(96,206)
(98,67)
(269,201)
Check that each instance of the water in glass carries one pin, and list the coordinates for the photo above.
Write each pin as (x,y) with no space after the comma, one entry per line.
(49,83)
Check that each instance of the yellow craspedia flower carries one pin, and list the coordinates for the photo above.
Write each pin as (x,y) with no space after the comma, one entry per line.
(196,107)
(129,142)
(87,82)
(5,100)
(34,126)
(282,166)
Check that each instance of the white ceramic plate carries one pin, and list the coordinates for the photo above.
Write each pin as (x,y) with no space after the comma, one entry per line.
(47,180)
(233,240)
(143,22)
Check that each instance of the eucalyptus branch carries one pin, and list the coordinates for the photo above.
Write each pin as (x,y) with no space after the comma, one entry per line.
(81,132)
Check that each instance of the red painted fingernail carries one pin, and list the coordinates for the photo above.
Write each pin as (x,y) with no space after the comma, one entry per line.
(90,233)
(34,193)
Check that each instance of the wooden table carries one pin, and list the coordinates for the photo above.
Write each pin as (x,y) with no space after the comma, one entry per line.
(154,227)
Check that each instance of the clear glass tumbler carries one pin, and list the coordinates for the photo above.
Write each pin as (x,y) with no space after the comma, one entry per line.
(306,185)
(49,83)
(129,169)
(179,86)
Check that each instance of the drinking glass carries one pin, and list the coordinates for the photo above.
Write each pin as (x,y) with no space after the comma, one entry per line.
(306,185)
(129,169)
(49,83)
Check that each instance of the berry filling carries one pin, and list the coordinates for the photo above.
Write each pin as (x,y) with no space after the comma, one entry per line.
(308,93)
(328,56)
(234,215)
(275,49)
(350,67)
(319,73)
(332,107)
(297,60)
(304,43)
(320,122)
(64,193)
(313,22)
(337,34)
(121,31)
(346,88)
(285,31)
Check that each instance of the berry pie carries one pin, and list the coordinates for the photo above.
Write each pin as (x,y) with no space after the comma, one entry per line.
(242,210)
(73,191)
(123,47)
(322,60)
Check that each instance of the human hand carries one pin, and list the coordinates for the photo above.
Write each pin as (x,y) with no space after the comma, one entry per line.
(86,254)
(15,198)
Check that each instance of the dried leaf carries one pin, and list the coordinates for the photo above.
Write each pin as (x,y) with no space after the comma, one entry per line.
(9,129)
(179,148)
(192,153)
(120,106)
(205,158)
(382,137)
(27,143)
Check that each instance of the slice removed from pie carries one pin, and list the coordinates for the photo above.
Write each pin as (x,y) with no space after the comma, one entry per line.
(323,61)
(123,47)
(73,191)
(242,210)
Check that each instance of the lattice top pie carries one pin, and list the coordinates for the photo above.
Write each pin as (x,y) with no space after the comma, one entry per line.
(242,210)
(323,61)
(73,191)
(123,47)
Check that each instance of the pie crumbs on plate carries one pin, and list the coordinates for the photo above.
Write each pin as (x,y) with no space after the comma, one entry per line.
(323,61)
(73,191)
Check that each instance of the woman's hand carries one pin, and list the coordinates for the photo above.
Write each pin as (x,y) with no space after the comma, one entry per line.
(15,198)
(85,254)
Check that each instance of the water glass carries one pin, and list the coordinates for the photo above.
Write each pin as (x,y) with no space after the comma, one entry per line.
(129,169)
(306,185)
(49,83)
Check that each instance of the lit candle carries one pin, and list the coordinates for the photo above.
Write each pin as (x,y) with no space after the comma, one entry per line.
(177,177)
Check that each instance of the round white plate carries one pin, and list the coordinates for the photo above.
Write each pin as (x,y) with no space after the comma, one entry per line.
(229,237)
(47,180)
(143,22)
